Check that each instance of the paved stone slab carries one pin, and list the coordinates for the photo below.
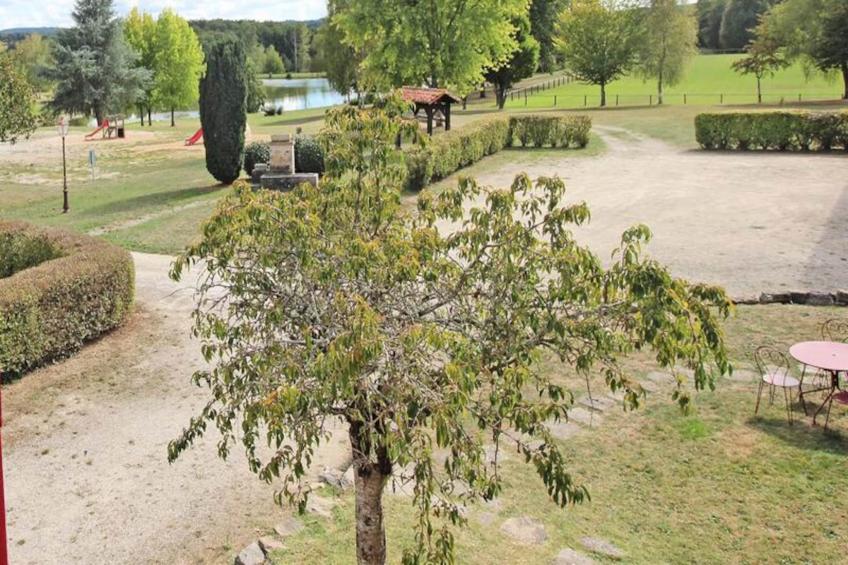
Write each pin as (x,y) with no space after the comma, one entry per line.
(250,555)
(525,530)
(335,478)
(269,544)
(320,506)
(597,403)
(288,527)
(602,547)
(563,429)
(660,378)
(569,556)
(585,417)
(650,386)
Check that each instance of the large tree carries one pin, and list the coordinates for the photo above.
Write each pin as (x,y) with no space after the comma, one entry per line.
(95,71)
(669,42)
(599,41)
(521,64)
(738,21)
(272,63)
(763,58)
(441,43)
(140,34)
(339,61)
(709,14)
(421,333)
(543,18)
(17,101)
(223,108)
(178,63)
(33,54)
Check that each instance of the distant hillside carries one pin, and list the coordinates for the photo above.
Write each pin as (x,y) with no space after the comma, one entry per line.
(24,31)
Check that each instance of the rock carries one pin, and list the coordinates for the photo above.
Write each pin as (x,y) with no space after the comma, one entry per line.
(569,556)
(775,298)
(598,403)
(602,547)
(525,530)
(842,297)
(269,544)
(490,454)
(320,506)
(288,527)
(334,478)
(747,300)
(563,430)
(348,475)
(486,518)
(251,555)
(585,417)
(820,299)
(799,297)
(660,377)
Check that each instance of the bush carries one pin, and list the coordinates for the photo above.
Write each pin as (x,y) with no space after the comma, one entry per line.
(254,153)
(69,289)
(778,131)
(456,149)
(308,155)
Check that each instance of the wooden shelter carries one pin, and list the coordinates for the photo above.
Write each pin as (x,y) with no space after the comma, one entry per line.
(432,101)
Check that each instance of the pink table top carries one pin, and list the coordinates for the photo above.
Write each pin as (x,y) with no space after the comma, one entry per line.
(827,355)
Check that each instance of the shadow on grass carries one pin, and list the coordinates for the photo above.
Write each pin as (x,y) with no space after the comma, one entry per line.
(802,434)
(295,120)
(154,199)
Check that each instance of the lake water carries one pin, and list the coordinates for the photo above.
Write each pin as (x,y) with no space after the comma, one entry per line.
(300,93)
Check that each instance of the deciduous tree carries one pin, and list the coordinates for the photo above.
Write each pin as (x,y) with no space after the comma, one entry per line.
(763,58)
(598,40)
(140,34)
(17,101)
(543,18)
(738,21)
(272,63)
(668,43)
(443,43)
(521,64)
(339,61)
(223,113)
(33,55)
(420,332)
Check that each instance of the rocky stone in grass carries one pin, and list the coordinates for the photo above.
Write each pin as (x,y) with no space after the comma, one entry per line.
(799,297)
(525,530)
(775,298)
(320,506)
(269,544)
(289,526)
(659,377)
(585,417)
(335,478)
(602,547)
(486,518)
(820,299)
(842,297)
(250,555)
(569,556)
(597,403)
(501,452)
(563,430)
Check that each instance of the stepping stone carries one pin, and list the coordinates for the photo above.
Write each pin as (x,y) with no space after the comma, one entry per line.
(250,555)
(525,530)
(270,544)
(288,527)
(585,417)
(660,378)
(320,506)
(598,403)
(569,556)
(335,478)
(563,429)
(650,386)
(617,396)
(602,547)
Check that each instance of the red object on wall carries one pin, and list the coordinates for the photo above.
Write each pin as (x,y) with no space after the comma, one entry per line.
(4,551)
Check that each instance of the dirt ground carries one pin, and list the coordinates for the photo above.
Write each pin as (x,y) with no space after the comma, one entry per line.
(87,479)
(751,222)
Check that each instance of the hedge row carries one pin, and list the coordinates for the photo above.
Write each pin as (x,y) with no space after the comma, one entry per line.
(308,155)
(780,131)
(47,311)
(453,150)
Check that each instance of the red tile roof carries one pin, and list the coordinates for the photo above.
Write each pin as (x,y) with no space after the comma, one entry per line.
(427,95)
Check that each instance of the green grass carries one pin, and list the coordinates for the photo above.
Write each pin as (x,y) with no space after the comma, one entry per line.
(714,486)
(707,78)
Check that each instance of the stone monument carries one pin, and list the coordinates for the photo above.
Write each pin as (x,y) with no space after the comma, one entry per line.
(280,173)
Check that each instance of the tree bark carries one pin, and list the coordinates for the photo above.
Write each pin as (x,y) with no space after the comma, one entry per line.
(660,90)
(141,113)
(369,480)
(845,80)
(149,118)
(500,95)
(759,91)
(172,117)
(603,94)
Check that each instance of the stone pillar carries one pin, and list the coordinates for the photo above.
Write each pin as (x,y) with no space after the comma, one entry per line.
(282,154)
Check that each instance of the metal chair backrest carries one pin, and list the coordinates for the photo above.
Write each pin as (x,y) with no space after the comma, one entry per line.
(771,360)
(835,330)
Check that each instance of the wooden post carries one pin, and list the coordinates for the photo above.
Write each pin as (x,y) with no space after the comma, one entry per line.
(799,97)
(616,99)
(555,100)
(429,111)
(684,99)
(447,116)
(525,98)
(721,99)
(585,100)
(650,100)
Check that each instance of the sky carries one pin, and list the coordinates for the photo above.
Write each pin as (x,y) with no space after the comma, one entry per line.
(50,13)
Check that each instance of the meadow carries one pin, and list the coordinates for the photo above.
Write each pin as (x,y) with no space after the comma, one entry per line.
(709,80)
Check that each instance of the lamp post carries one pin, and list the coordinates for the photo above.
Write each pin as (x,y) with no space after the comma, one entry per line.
(4,551)
(62,128)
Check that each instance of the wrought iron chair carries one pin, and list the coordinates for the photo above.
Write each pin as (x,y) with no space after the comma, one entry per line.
(835,330)
(775,369)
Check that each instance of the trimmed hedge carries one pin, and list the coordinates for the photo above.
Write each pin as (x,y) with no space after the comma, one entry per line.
(49,310)
(453,150)
(254,153)
(779,131)
(308,155)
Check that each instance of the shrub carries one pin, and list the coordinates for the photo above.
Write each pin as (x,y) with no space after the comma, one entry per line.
(254,153)
(555,131)
(779,131)
(75,288)
(223,95)
(308,155)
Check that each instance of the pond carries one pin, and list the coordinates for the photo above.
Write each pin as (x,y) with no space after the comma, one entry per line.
(300,93)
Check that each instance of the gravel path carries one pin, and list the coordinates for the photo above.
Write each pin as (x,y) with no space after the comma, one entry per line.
(751,222)
(87,479)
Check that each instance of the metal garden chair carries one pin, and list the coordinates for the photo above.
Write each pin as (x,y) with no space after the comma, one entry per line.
(775,369)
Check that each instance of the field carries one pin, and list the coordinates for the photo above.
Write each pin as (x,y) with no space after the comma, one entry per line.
(709,80)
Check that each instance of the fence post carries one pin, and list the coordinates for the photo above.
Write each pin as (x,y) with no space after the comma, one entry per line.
(616,99)
(650,100)
(684,99)
(584,99)
(525,98)
(721,99)
(555,101)
(799,97)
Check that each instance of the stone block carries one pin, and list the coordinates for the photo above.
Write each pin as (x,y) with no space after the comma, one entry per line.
(287,182)
(282,154)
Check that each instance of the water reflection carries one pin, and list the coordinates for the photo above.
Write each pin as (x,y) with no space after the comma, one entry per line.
(300,93)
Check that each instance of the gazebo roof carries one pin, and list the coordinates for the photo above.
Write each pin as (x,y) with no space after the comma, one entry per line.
(428,96)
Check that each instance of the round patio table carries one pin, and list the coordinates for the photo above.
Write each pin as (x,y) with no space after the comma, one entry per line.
(828,356)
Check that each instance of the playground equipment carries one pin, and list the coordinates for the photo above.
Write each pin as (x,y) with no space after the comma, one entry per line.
(112,126)
(198,135)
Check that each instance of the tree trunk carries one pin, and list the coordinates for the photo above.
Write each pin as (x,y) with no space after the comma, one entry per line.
(500,95)
(141,113)
(172,117)
(660,90)
(98,114)
(369,480)
(845,80)
(603,94)
(759,92)
(149,118)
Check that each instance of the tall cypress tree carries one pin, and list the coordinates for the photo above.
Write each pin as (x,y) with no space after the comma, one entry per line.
(223,114)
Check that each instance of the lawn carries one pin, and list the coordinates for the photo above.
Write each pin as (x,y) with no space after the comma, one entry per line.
(707,79)
(714,486)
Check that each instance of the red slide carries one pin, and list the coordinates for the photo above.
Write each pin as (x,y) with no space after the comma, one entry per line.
(195,138)
(99,129)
